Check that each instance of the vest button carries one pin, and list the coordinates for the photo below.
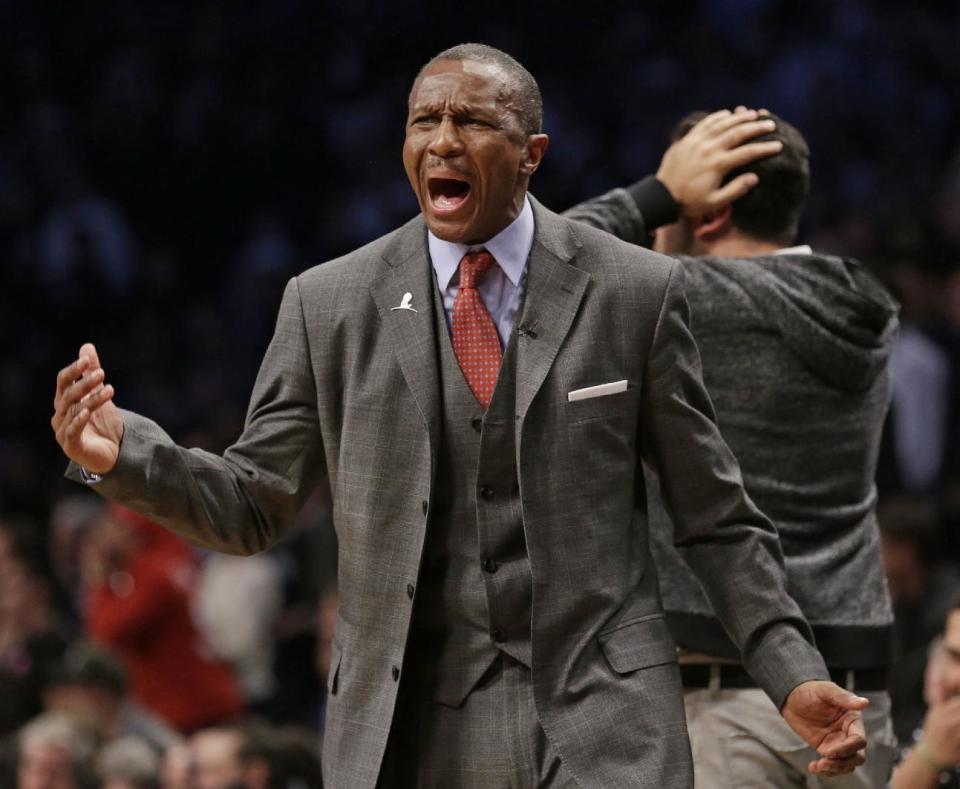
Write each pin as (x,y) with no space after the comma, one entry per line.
(499,636)
(477,423)
(395,673)
(410,591)
(490,565)
(486,493)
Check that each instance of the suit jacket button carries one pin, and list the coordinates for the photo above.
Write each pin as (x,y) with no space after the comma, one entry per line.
(477,423)
(395,673)
(486,493)
(410,591)
(499,636)
(490,565)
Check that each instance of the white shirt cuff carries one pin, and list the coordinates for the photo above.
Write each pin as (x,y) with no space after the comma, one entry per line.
(89,477)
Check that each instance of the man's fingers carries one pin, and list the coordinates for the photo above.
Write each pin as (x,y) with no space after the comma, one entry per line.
(89,350)
(749,152)
(97,398)
(842,764)
(711,120)
(69,374)
(71,427)
(64,424)
(734,190)
(708,125)
(74,427)
(74,393)
(718,123)
(854,741)
(828,766)
(850,701)
(732,121)
(743,131)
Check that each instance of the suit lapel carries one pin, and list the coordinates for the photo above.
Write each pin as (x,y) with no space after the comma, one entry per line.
(407,270)
(554,290)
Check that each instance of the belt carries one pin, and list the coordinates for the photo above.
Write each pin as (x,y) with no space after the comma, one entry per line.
(698,675)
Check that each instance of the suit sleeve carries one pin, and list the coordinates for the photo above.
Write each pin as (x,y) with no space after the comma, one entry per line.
(730,545)
(238,503)
(630,214)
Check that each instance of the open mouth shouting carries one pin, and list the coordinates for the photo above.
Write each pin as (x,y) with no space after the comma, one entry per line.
(447,193)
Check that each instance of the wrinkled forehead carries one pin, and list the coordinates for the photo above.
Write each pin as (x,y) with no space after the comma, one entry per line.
(463,82)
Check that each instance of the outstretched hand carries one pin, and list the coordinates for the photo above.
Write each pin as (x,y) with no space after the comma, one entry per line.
(87,424)
(829,719)
(693,167)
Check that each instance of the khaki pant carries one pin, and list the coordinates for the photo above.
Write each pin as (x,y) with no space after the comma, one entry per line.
(739,740)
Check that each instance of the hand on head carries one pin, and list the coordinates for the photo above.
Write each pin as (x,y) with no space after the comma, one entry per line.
(693,167)
(85,421)
(830,720)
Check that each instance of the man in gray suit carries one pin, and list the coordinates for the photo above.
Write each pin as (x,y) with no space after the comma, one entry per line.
(794,348)
(481,387)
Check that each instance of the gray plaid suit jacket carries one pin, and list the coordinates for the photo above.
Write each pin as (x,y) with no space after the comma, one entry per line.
(349,388)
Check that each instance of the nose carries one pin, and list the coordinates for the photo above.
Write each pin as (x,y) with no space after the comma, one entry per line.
(446,141)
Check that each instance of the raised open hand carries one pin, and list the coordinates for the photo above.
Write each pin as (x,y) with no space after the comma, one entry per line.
(85,421)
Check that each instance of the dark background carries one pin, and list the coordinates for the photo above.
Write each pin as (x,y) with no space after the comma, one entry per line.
(164,167)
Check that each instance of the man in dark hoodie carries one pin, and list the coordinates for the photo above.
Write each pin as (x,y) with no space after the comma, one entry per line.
(794,348)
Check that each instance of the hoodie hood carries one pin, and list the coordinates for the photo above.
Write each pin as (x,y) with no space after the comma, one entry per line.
(833,314)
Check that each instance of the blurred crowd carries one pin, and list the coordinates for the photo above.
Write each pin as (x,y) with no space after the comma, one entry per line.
(164,168)
(128,660)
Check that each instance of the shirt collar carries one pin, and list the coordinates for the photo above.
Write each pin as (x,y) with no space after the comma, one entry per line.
(803,249)
(511,248)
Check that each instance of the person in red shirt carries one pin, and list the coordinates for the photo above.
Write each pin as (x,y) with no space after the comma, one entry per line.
(139,579)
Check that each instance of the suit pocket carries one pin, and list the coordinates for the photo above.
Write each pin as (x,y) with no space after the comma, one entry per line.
(603,406)
(640,644)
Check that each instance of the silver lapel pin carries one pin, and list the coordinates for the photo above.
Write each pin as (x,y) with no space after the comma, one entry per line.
(405,303)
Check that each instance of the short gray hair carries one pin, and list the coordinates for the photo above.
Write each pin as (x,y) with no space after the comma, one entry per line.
(129,758)
(62,731)
(525,87)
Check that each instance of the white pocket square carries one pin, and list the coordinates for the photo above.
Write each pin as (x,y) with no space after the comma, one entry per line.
(597,391)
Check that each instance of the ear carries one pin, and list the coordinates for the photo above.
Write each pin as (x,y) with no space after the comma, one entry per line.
(536,147)
(713,225)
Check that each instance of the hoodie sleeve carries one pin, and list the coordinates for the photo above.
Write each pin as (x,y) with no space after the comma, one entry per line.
(630,214)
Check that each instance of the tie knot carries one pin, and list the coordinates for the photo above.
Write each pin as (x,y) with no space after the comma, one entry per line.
(474,267)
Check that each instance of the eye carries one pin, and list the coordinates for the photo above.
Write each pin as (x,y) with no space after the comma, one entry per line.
(477,123)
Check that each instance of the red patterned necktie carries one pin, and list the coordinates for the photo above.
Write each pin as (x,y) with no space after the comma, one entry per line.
(475,339)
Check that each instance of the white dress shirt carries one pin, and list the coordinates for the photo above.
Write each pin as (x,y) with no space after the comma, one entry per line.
(502,287)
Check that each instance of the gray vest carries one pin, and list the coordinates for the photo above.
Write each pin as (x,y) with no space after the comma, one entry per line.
(475,587)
